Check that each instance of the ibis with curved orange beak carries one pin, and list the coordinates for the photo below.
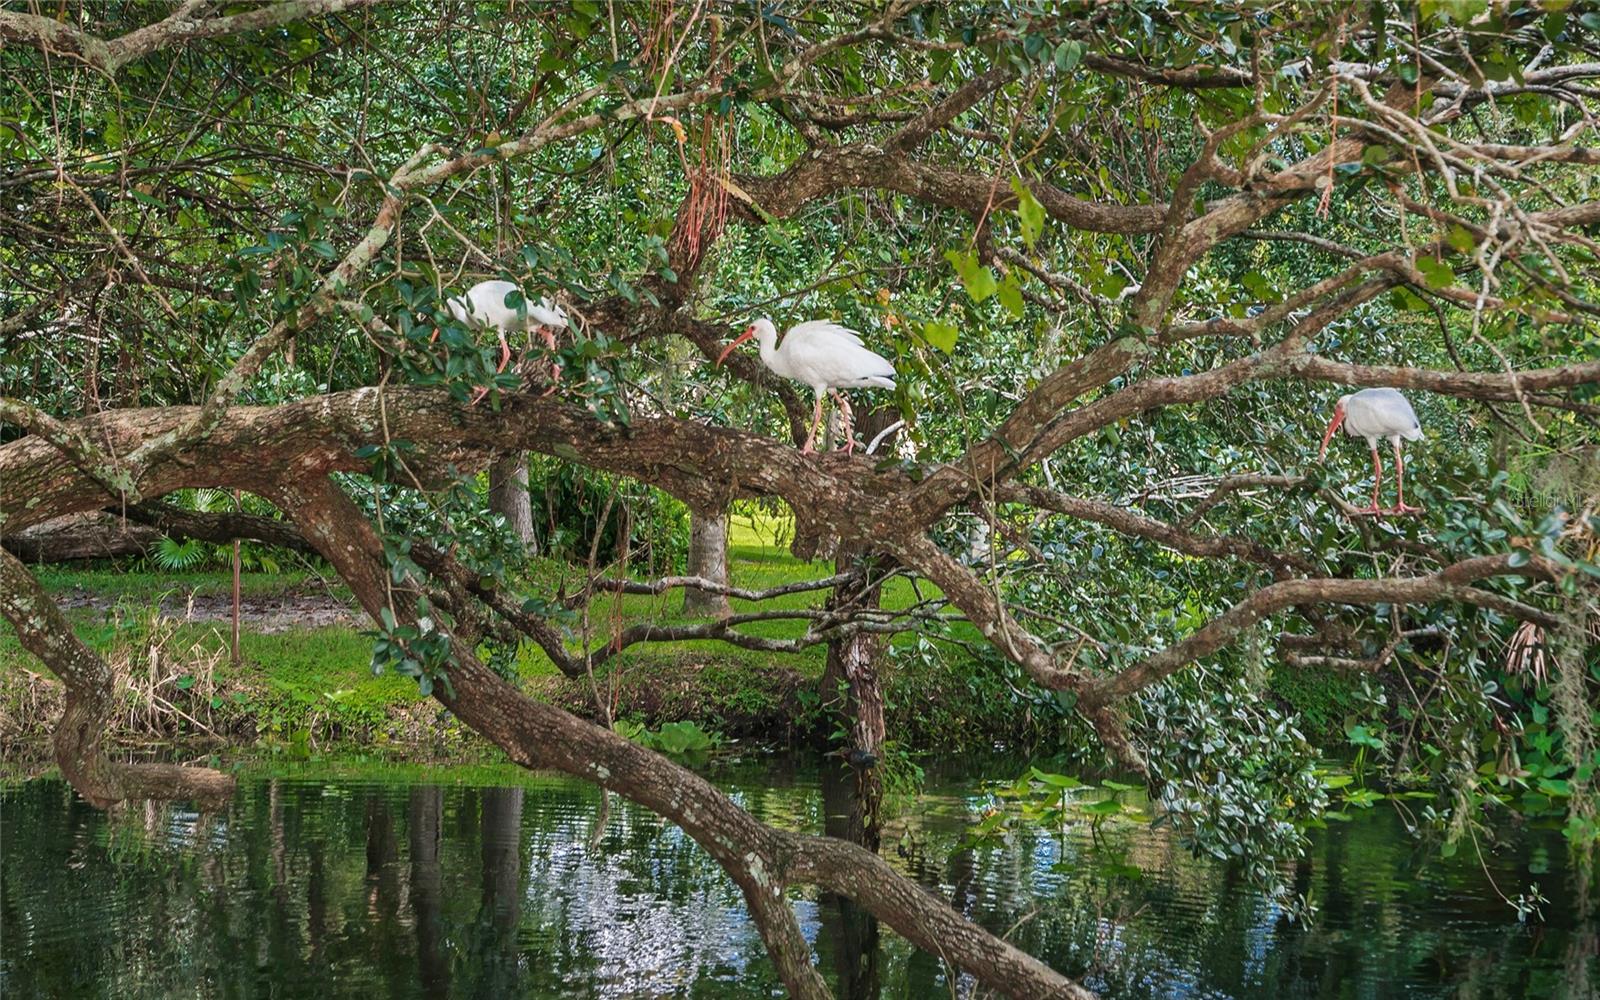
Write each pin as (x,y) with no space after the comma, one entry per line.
(823,355)
(1375,414)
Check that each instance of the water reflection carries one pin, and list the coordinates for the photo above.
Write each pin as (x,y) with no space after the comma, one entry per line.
(316,885)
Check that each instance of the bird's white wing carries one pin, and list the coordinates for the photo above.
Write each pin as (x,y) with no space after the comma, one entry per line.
(1382,413)
(821,332)
(837,362)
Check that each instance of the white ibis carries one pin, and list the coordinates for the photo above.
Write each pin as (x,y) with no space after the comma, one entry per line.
(484,305)
(1374,414)
(823,355)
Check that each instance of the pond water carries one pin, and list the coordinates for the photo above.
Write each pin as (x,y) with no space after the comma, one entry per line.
(330,880)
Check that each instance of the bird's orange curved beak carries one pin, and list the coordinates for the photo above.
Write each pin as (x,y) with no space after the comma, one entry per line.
(749,331)
(1333,425)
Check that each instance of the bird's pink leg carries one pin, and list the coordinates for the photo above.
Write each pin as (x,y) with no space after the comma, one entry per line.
(811,433)
(1400,505)
(505,359)
(549,336)
(1377,480)
(847,419)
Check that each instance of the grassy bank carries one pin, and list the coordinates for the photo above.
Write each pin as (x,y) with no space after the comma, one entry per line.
(304,683)
(303,686)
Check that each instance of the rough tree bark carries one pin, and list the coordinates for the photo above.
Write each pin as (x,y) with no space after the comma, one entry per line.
(708,558)
(853,664)
(95,535)
(508,493)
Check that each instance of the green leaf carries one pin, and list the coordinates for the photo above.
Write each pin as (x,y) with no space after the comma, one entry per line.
(1407,300)
(940,335)
(1554,788)
(1067,55)
(1011,296)
(1029,211)
(979,281)
(1058,780)
(1460,238)
(185,682)
(1438,273)
(1105,807)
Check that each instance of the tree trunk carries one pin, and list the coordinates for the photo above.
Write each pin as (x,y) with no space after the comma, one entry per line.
(508,494)
(708,557)
(853,664)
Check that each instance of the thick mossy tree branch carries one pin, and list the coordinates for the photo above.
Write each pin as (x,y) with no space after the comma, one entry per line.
(666,583)
(217,527)
(88,704)
(1493,386)
(111,473)
(181,28)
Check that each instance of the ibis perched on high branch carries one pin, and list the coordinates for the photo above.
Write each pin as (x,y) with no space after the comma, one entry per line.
(823,355)
(484,305)
(1375,414)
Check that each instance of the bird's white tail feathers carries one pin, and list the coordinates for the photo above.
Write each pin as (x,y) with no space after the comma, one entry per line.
(872,381)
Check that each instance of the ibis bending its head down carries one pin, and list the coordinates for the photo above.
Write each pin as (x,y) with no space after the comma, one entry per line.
(1374,414)
(823,355)
(484,305)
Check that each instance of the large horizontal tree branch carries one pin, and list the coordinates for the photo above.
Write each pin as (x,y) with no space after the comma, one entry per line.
(182,28)
(666,583)
(111,473)
(1498,386)
(217,527)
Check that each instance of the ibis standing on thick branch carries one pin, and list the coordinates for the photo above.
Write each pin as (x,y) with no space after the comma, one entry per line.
(1375,414)
(484,305)
(823,355)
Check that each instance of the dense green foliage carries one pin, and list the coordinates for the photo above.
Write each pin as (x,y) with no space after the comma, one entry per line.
(160,222)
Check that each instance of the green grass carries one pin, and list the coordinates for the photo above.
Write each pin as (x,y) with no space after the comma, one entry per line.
(293,678)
